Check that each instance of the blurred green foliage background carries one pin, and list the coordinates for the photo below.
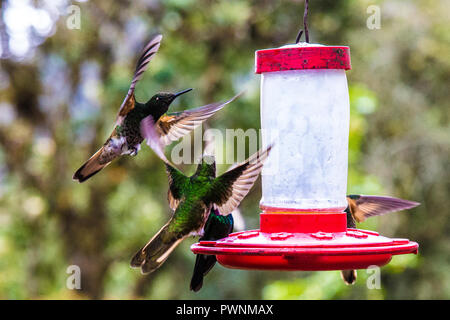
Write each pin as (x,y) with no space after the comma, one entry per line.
(60,89)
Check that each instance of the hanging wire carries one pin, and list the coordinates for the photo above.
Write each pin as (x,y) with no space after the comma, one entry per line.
(299,35)
(305,25)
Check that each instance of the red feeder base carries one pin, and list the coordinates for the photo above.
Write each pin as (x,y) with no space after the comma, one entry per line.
(304,241)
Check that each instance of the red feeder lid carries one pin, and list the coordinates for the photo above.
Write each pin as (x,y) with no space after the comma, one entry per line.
(298,57)
(311,242)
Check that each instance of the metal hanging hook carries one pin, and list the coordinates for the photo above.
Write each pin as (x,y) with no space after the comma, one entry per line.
(305,25)
(299,35)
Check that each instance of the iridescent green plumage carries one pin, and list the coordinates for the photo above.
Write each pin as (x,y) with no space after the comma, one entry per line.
(192,199)
(216,227)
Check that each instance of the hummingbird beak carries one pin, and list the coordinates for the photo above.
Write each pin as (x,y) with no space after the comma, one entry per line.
(181,92)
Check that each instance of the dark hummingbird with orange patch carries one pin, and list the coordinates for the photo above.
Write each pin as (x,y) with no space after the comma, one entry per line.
(362,207)
(136,121)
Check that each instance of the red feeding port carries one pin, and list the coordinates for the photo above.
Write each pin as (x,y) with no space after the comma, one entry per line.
(304,241)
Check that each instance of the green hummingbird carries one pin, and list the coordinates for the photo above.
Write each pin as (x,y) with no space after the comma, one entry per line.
(192,199)
(216,227)
(129,130)
(362,207)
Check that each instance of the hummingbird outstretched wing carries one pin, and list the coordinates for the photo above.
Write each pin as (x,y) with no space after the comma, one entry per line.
(228,190)
(147,54)
(174,125)
(177,182)
(363,207)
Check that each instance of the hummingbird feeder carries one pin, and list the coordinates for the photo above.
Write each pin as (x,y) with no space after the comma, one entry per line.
(303,226)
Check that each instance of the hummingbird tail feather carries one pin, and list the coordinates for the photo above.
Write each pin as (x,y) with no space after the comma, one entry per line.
(349,276)
(156,251)
(203,264)
(90,167)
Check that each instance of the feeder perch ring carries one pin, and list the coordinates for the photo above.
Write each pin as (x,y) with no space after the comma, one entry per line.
(339,249)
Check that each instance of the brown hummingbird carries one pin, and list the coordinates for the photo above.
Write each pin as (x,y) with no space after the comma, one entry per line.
(362,207)
(129,131)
